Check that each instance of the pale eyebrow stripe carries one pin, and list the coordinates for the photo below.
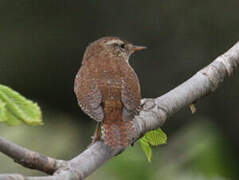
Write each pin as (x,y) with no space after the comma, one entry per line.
(114,41)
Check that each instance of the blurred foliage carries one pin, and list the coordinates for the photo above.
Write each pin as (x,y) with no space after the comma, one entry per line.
(53,139)
(15,109)
(195,152)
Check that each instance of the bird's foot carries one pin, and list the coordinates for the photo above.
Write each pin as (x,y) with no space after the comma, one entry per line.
(94,140)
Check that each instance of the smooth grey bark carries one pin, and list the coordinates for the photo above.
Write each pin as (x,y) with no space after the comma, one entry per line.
(153,115)
(30,159)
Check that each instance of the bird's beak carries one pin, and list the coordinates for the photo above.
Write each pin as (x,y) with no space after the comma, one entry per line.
(138,48)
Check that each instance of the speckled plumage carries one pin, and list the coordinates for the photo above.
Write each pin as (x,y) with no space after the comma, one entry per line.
(108,90)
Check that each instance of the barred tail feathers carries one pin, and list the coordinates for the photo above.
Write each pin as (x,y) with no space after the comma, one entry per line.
(117,133)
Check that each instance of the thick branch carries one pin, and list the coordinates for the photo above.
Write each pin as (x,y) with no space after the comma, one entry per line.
(154,114)
(201,84)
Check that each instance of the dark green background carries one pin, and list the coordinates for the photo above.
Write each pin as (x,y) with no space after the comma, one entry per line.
(41,48)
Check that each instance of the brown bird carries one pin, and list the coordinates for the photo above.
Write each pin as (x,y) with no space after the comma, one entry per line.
(108,90)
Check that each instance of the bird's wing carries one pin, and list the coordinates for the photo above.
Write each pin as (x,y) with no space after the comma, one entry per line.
(130,95)
(88,95)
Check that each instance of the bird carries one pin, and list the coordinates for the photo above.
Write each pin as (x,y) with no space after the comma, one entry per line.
(108,90)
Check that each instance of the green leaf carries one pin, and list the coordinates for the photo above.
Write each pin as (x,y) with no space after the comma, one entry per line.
(15,109)
(154,138)
(146,148)
(12,120)
(3,116)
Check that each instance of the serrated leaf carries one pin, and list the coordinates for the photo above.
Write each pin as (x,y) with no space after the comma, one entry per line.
(12,120)
(156,137)
(17,109)
(3,116)
(146,148)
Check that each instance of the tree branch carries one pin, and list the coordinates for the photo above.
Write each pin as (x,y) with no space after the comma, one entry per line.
(153,115)
(30,159)
(207,80)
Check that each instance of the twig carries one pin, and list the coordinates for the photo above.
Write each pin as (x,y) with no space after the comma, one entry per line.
(30,159)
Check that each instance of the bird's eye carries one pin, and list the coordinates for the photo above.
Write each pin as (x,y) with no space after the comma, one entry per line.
(122,46)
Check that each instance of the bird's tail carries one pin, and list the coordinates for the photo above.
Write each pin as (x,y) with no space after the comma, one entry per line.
(117,133)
